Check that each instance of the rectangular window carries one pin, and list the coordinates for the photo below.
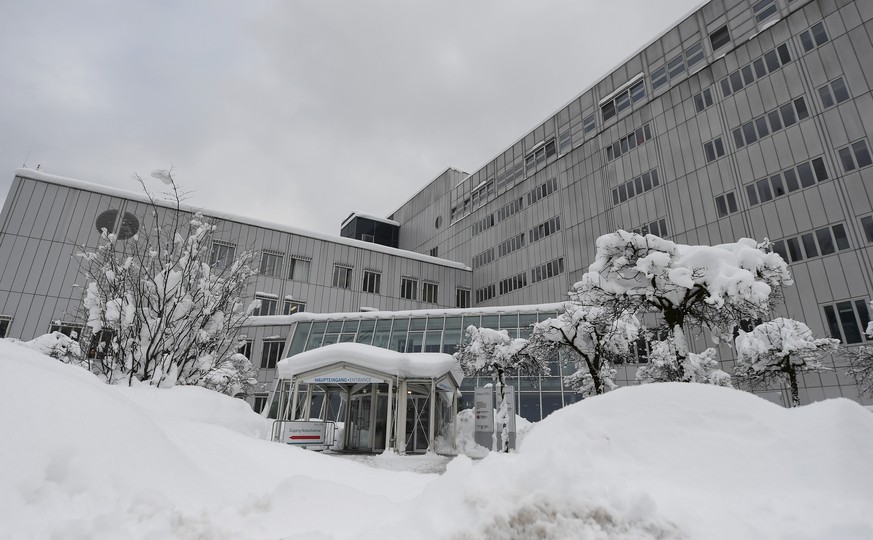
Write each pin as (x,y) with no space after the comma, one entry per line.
(726,204)
(271,353)
(409,288)
(694,54)
(271,264)
(866,224)
(546,271)
(703,100)
(855,156)
(434,252)
(429,292)
(542,191)
(259,402)
(486,293)
(816,36)
(5,322)
(298,269)
(719,38)
(342,276)
(372,281)
(847,320)
(268,305)
(483,258)
(462,298)
(290,307)
(589,123)
(246,349)
(833,93)
(508,246)
(713,149)
(764,9)
(545,229)
(71,330)
(512,208)
(222,255)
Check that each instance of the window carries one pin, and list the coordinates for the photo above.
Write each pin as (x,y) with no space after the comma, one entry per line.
(271,263)
(483,258)
(855,156)
(623,99)
(342,276)
(101,344)
(372,281)
(271,353)
(538,156)
(824,241)
(71,330)
(408,288)
(260,401)
(268,305)
(719,38)
(508,246)
(298,269)
(804,175)
(637,186)
(546,271)
(512,208)
(763,9)
(726,204)
(462,298)
(713,149)
(485,293)
(702,100)
(222,255)
(290,307)
(483,224)
(771,61)
(770,123)
(429,292)
(513,283)
(658,228)
(833,93)
(545,229)
(5,322)
(589,123)
(866,224)
(676,66)
(541,191)
(847,320)
(627,143)
(246,349)
(434,252)
(816,36)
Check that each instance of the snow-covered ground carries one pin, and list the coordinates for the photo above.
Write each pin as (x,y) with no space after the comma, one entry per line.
(79,459)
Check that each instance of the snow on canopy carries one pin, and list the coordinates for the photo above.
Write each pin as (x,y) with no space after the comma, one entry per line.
(409,365)
(740,271)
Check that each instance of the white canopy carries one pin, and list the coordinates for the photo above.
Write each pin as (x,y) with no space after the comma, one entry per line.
(406,365)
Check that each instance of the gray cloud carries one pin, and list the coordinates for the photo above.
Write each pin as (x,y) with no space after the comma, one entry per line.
(297,112)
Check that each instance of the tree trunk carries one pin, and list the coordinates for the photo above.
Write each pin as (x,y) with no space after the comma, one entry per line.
(792,381)
(504,439)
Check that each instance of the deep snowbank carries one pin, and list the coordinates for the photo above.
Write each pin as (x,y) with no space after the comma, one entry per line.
(79,459)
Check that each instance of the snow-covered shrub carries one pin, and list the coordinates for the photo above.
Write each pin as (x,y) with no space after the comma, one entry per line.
(666,366)
(780,349)
(158,311)
(57,345)
(861,363)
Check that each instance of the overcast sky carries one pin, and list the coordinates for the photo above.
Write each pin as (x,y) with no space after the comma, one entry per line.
(297,112)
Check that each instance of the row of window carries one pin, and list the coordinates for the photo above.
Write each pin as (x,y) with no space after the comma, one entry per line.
(270,305)
(510,209)
(537,158)
(677,65)
(658,228)
(510,175)
(547,270)
(272,262)
(508,246)
(483,258)
(627,143)
(485,293)
(513,283)
(545,229)
(623,99)
(771,122)
(483,224)
(409,290)
(824,241)
(541,191)
(538,273)
(764,9)
(769,62)
(565,136)
(803,176)
(639,185)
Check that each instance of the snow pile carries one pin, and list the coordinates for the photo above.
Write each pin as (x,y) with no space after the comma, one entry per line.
(85,460)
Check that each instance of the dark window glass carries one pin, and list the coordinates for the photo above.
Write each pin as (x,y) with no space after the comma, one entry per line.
(631,142)
(622,193)
(788,117)
(819,34)
(732,202)
(630,189)
(610,155)
(764,190)
(659,77)
(775,122)
(867,224)
(784,53)
(624,146)
(805,172)
(760,69)
(833,324)
(726,87)
(655,181)
(698,102)
(753,194)
(862,155)
(794,249)
(608,110)
(761,124)
(719,38)
(749,132)
(825,241)
(849,322)
(710,153)
(638,183)
(736,81)
(806,41)
(800,105)
(719,147)
(825,94)
(647,131)
(841,92)
(776,182)
(840,236)
(738,138)
(821,173)
(772,61)
(663,224)
(647,181)
(791,180)
(779,247)
(748,76)
(809,245)
(846,158)
(707,97)
(721,206)
(615,196)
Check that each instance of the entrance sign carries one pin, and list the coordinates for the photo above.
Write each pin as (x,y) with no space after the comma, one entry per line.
(343,376)
(484,410)
(305,433)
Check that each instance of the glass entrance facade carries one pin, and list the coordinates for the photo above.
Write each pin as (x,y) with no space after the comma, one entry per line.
(440,331)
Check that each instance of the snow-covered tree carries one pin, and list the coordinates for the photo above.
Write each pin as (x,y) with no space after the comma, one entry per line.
(56,345)
(591,338)
(861,363)
(156,309)
(713,287)
(666,366)
(779,350)
(488,352)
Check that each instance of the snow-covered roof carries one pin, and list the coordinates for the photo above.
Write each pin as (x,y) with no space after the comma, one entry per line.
(435,312)
(407,365)
(368,216)
(140,197)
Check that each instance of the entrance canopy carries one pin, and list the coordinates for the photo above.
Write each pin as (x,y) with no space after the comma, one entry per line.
(384,399)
